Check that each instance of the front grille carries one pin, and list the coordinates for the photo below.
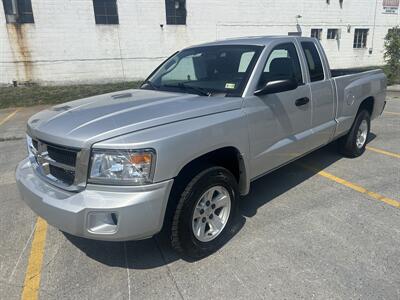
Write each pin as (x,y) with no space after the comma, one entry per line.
(64,156)
(65,176)
(35,144)
(56,163)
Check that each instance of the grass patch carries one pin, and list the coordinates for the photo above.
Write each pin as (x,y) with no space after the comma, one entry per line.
(35,94)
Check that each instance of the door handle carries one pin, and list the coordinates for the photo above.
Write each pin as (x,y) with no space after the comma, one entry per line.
(302,101)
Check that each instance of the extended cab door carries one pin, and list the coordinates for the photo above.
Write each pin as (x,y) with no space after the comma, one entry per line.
(280,123)
(322,94)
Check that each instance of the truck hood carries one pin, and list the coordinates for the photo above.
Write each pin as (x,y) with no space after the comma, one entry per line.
(86,121)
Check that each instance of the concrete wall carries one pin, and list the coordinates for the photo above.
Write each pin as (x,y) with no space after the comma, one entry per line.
(65,45)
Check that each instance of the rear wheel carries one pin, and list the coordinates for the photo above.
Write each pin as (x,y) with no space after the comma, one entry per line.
(353,144)
(205,213)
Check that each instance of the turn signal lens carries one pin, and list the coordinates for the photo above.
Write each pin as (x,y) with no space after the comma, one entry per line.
(143,158)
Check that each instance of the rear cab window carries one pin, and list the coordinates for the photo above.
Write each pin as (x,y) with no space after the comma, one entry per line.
(314,62)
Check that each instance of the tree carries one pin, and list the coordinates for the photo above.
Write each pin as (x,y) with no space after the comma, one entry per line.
(392,55)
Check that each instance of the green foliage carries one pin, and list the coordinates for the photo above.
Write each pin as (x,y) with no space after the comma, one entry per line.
(392,55)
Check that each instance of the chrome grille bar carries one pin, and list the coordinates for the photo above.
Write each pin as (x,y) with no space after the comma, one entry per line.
(44,164)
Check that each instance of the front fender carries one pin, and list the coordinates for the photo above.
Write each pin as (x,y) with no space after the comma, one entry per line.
(178,143)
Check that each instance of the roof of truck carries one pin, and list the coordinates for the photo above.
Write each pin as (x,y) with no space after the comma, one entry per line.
(250,40)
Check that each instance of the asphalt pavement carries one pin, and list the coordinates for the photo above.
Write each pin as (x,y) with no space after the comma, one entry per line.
(324,227)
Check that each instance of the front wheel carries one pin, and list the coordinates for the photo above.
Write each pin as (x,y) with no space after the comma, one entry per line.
(353,144)
(205,213)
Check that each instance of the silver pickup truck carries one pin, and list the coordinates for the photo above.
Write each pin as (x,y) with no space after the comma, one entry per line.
(177,154)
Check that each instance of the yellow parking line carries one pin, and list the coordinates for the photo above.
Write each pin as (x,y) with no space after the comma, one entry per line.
(9,117)
(353,186)
(33,271)
(360,189)
(392,113)
(383,152)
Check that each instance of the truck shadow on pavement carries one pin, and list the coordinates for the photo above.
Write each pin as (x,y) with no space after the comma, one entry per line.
(155,252)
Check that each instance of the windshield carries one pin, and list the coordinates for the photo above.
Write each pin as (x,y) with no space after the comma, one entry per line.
(206,70)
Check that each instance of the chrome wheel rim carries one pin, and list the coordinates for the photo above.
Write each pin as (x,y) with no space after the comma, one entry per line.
(362,134)
(211,213)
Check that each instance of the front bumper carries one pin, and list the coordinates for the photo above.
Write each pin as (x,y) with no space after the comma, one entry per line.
(138,212)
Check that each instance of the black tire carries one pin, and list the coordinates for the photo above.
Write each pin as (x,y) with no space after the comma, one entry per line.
(348,143)
(183,239)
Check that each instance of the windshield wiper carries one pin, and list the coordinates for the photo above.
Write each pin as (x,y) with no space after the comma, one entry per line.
(198,90)
(150,84)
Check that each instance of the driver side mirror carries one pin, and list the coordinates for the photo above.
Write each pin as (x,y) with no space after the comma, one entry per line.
(277,86)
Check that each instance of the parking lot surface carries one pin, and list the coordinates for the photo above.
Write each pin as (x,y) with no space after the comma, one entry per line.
(322,227)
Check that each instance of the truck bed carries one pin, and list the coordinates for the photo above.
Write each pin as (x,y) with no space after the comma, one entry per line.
(351,71)
(352,87)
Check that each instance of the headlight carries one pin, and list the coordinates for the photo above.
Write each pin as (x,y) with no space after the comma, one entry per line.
(122,167)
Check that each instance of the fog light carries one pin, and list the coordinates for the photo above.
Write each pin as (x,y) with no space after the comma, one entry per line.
(102,222)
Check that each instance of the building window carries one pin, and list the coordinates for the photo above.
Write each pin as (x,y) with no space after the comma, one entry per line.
(360,38)
(332,34)
(316,33)
(175,12)
(18,11)
(105,11)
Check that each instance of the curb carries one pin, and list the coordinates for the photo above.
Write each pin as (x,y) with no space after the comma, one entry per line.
(393,88)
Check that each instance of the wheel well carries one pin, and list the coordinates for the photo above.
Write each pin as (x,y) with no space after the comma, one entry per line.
(367,104)
(227,157)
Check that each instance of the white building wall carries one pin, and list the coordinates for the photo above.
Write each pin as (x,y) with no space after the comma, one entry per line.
(65,45)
